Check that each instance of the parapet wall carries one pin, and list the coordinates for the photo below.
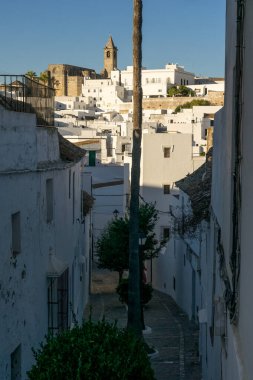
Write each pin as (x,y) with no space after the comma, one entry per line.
(216,98)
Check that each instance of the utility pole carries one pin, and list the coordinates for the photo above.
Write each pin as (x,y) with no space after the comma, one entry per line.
(134,292)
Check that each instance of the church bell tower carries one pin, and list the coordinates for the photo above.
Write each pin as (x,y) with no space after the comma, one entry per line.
(110,58)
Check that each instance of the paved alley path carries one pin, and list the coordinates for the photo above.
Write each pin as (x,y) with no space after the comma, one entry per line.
(172,334)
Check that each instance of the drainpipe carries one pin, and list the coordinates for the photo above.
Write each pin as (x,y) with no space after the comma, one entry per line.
(237,145)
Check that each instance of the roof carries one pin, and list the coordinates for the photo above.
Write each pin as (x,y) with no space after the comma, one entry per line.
(110,44)
(198,187)
(69,151)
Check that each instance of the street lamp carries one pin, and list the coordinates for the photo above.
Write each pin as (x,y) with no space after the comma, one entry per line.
(116,213)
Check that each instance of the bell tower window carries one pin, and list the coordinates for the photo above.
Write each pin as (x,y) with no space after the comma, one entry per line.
(108,54)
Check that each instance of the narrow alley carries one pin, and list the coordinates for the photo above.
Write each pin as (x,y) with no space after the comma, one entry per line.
(172,334)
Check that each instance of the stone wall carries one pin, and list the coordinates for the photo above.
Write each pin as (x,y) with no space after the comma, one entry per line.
(74,86)
(67,79)
(216,99)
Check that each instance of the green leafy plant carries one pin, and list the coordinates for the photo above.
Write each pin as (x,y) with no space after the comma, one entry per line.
(194,102)
(180,91)
(122,290)
(113,244)
(93,351)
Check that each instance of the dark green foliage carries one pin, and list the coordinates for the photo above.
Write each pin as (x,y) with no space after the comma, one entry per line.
(113,245)
(194,102)
(94,351)
(180,91)
(122,290)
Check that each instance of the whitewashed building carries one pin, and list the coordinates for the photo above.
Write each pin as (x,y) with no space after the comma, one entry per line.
(110,191)
(44,257)
(155,82)
(166,158)
(232,205)
(104,93)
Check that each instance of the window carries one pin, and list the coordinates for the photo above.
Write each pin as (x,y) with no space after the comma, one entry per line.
(166,189)
(166,152)
(16,364)
(69,184)
(49,200)
(166,233)
(108,54)
(73,197)
(58,303)
(16,235)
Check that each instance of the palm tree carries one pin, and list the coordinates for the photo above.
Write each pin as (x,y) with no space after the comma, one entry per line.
(134,297)
(31,74)
(44,77)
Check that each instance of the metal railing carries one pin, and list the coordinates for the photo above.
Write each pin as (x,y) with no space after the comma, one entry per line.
(22,94)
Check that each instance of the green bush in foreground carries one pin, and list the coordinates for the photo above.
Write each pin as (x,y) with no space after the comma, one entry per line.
(94,351)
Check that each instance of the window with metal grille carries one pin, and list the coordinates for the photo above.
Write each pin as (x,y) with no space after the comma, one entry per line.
(49,199)
(16,234)
(58,290)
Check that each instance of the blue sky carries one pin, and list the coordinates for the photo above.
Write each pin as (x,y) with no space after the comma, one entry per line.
(35,33)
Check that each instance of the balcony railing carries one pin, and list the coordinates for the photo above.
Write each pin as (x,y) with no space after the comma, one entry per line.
(22,94)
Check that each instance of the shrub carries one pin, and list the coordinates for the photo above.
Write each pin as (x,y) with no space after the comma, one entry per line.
(122,290)
(94,351)
(195,102)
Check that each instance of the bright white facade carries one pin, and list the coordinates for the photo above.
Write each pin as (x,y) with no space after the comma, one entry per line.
(195,121)
(166,158)
(105,93)
(155,83)
(233,154)
(110,190)
(42,240)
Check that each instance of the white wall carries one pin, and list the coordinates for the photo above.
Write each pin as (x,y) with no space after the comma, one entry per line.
(158,171)
(156,82)
(108,195)
(23,300)
(236,351)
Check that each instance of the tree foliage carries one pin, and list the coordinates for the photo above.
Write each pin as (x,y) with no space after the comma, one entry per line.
(113,244)
(93,351)
(44,77)
(31,74)
(180,91)
(194,102)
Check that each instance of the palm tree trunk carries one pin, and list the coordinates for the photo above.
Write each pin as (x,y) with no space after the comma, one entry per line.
(134,295)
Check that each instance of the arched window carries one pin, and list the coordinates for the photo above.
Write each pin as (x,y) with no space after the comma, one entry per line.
(108,54)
